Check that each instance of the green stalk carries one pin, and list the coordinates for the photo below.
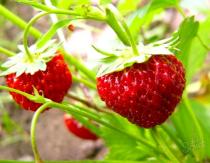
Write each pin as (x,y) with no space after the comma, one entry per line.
(69,58)
(80,66)
(132,42)
(82,112)
(82,15)
(202,43)
(116,26)
(29,96)
(33,131)
(26,32)
(83,81)
(6,52)
(89,115)
(18,21)
(181,11)
(87,12)
(114,15)
(84,11)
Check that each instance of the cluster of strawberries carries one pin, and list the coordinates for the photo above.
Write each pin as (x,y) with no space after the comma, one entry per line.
(145,93)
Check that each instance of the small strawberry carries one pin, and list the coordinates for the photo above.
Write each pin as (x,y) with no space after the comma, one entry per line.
(78,129)
(47,73)
(146,93)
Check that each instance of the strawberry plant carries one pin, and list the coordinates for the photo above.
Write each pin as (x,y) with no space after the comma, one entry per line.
(140,99)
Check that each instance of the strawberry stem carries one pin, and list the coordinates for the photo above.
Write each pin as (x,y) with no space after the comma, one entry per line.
(70,58)
(202,43)
(18,21)
(89,113)
(26,33)
(80,66)
(85,82)
(6,52)
(132,42)
(33,131)
(94,13)
(87,103)
(116,16)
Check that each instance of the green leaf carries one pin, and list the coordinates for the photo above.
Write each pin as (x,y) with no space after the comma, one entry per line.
(192,52)
(9,125)
(51,32)
(185,129)
(155,4)
(203,115)
(138,18)
(65,4)
(104,2)
(122,146)
(127,6)
(188,129)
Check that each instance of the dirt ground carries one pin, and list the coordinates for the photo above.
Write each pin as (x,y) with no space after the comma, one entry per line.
(54,140)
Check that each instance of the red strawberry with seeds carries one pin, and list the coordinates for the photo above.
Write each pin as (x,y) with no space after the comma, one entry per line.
(53,83)
(78,129)
(145,93)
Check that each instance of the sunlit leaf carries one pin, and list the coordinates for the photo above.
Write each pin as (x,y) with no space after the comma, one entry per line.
(122,146)
(103,2)
(68,3)
(138,18)
(127,6)
(203,115)
(188,130)
(192,53)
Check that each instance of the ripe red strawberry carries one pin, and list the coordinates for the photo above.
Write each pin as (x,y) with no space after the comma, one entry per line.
(53,83)
(78,129)
(145,93)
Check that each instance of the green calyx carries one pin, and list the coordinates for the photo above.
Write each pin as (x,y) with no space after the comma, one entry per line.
(119,59)
(20,63)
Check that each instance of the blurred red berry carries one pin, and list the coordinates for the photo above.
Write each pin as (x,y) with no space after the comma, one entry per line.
(78,129)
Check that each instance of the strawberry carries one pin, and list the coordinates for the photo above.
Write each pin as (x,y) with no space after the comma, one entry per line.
(78,129)
(145,93)
(53,83)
